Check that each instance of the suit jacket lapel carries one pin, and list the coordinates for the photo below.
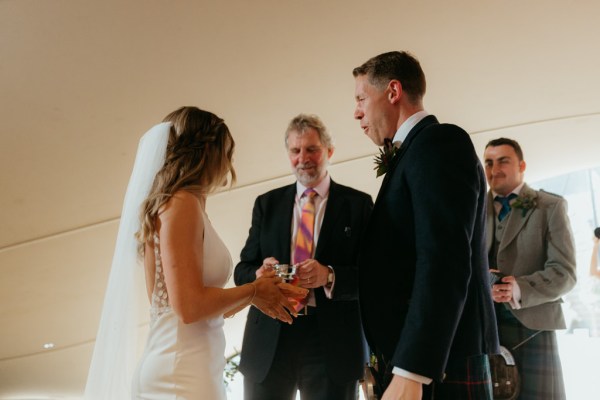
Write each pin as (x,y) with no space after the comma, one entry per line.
(285,209)
(425,122)
(330,217)
(516,220)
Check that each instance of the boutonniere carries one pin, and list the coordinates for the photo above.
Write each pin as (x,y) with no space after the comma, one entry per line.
(385,157)
(524,203)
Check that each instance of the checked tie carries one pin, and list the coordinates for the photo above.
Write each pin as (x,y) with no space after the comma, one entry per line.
(505,202)
(303,247)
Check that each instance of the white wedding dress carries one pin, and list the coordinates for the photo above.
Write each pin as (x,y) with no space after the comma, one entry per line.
(185,361)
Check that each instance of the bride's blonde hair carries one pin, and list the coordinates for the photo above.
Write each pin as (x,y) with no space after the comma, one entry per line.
(198,156)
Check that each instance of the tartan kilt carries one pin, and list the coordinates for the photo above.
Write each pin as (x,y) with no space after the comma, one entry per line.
(537,360)
(470,379)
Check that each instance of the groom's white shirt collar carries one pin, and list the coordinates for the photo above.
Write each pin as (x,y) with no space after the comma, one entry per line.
(407,125)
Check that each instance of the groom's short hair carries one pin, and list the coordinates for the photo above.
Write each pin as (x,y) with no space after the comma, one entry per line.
(508,142)
(398,65)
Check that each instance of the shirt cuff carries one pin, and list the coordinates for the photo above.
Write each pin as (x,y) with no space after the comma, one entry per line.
(329,288)
(412,376)
(515,302)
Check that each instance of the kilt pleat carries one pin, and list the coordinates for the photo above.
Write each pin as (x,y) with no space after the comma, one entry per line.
(468,380)
(538,359)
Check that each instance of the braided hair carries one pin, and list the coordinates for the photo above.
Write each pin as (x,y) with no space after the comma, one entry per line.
(198,156)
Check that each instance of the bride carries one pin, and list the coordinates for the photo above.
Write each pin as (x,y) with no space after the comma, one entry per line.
(186,267)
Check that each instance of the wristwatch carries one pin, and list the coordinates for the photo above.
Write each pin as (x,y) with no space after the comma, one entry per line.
(329,278)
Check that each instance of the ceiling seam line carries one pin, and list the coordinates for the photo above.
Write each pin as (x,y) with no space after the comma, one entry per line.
(96,224)
(116,219)
(537,122)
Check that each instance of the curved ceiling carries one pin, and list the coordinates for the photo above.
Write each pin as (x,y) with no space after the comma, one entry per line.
(82,81)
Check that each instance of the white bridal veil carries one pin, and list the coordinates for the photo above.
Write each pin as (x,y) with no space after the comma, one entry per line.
(114,359)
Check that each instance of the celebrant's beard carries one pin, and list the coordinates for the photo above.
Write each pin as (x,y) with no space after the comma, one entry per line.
(308,178)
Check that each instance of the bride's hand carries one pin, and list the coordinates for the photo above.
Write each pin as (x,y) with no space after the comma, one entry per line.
(293,291)
(270,300)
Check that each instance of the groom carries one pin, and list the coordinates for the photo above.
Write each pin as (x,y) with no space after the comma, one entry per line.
(423,272)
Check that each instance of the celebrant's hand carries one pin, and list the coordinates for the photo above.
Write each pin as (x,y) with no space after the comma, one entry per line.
(267,265)
(312,274)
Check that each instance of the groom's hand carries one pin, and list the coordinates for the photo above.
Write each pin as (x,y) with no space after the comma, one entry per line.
(402,388)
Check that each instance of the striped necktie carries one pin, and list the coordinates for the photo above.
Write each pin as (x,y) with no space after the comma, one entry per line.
(303,247)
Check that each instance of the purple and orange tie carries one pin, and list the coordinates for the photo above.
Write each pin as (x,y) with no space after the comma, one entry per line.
(303,247)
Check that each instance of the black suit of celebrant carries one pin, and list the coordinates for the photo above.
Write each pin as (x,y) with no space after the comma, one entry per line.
(335,321)
(423,271)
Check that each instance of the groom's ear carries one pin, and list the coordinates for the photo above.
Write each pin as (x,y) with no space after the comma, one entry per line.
(394,91)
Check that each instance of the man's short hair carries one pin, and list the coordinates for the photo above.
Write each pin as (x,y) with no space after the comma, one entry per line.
(302,122)
(398,65)
(508,142)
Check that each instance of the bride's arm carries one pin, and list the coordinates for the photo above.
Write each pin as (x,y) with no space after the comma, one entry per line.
(181,231)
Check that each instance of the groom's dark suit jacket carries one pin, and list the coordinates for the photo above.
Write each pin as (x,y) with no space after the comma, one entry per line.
(346,214)
(423,270)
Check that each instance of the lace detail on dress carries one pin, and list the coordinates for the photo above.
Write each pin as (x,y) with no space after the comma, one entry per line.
(160,297)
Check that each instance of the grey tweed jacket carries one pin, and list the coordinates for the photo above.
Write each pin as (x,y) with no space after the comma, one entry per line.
(537,248)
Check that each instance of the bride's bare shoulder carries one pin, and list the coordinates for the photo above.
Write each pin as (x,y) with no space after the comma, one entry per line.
(181,202)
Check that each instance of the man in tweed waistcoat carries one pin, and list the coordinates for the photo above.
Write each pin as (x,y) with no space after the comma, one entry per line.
(529,240)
